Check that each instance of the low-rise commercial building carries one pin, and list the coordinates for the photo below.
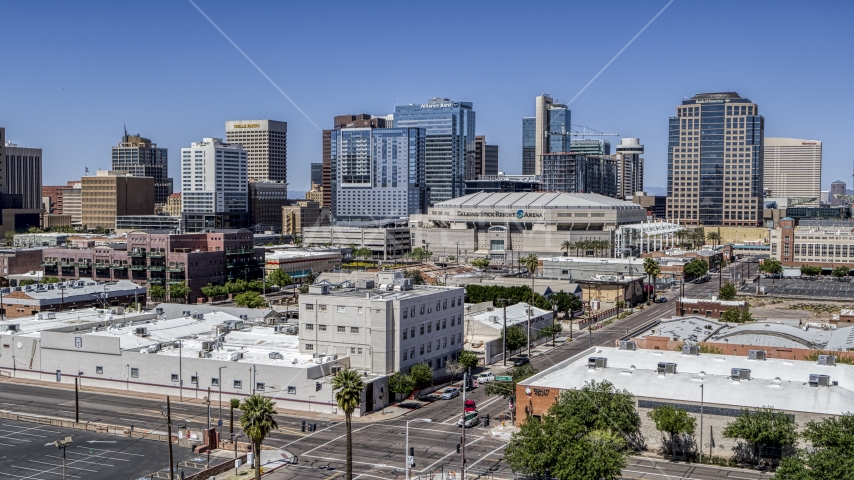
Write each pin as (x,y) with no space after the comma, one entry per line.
(824,247)
(807,390)
(384,326)
(485,323)
(385,242)
(73,295)
(300,263)
(18,260)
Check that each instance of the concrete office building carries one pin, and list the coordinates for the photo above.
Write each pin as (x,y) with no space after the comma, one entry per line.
(266,145)
(378,174)
(109,194)
(629,159)
(793,169)
(485,157)
(450,143)
(804,389)
(215,185)
(552,126)
(504,183)
(300,262)
(159,257)
(826,247)
(590,146)
(836,188)
(72,202)
(576,173)
(137,156)
(529,145)
(139,352)
(24,174)
(507,226)
(384,326)
(716,178)
(385,243)
(300,215)
(315,194)
(266,200)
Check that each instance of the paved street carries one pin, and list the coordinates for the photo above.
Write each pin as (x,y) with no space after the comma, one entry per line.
(379,444)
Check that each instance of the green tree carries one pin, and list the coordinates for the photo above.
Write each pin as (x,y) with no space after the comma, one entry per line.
(566,302)
(236,286)
(348,387)
(468,359)
(212,290)
(840,272)
(652,269)
(50,280)
(771,267)
(810,270)
(714,237)
(257,422)
(813,356)
(596,418)
(736,315)
(232,405)
(420,254)
(280,278)
(480,263)
(422,375)
(156,291)
(10,237)
(762,427)
(401,384)
(364,253)
(179,291)
(727,291)
(416,277)
(250,299)
(516,338)
(696,268)
(566,246)
(832,440)
(672,421)
(25,282)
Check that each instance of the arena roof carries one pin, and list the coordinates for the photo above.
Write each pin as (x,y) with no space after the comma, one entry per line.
(537,200)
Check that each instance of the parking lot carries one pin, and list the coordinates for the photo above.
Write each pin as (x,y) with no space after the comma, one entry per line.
(27,452)
(823,288)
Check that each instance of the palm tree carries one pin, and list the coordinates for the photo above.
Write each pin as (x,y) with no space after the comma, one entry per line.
(348,387)
(257,422)
(681,235)
(714,237)
(652,269)
(566,245)
(697,237)
(531,262)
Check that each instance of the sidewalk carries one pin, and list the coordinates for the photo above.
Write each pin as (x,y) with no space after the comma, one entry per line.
(271,460)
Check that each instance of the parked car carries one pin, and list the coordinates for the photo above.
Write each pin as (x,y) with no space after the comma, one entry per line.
(469,420)
(660,299)
(519,361)
(485,377)
(450,393)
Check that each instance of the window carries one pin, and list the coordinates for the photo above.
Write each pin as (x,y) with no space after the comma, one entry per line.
(322,308)
(340,309)
(259,386)
(405,332)
(99,370)
(452,339)
(438,343)
(358,351)
(352,350)
(429,347)
(438,324)
(341,329)
(174,377)
(134,372)
(422,309)
(405,312)
(404,354)
(359,310)
(412,353)
(309,306)
(214,382)
(194,380)
(309,326)
(421,350)
(238,384)
(412,312)
(322,328)
(459,337)
(445,305)
(412,332)
(354,329)
(292,390)
(452,321)
(309,346)
(422,329)
(438,305)
(444,342)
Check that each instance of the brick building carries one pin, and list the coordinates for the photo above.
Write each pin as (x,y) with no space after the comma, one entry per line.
(159,258)
(54,193)
(706,308)
(17,261)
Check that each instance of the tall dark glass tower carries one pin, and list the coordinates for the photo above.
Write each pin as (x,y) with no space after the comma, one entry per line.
(139,157)
(715,161)
(529,145)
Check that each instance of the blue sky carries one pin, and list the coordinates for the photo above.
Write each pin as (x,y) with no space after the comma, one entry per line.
(75,72)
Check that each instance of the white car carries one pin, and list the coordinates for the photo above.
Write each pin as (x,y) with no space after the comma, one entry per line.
(485,377)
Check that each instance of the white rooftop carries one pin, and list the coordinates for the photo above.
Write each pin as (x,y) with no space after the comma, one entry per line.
(71,320)
(255,344)
(160,331)
(516,314)
(537,200)
(783,384)
(71,291)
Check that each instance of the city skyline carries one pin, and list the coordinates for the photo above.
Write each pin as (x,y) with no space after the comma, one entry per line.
(81,105)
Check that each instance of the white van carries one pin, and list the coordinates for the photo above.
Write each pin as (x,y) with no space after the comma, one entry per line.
(471,419)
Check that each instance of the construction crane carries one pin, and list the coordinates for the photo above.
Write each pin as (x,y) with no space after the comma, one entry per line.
(585,133)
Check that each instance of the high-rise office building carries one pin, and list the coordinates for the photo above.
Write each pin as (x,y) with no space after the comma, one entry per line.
(837,188)
(2,156)
(485,157)
(23,168)
(72,201)
(137,156)
(792,169)
(379,174)
(214,184)
(716,178)
(629,167)
(109,194)
(590,146)
(317,173)
(577,173)
(450,128)
(266,146)
(361,120)
(266,200)
(552,129)
(529,145)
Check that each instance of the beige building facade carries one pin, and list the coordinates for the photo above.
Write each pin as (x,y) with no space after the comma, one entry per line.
(297,217)
(173,205)
(110,194)
(266,145)
(825,247)
(793,169)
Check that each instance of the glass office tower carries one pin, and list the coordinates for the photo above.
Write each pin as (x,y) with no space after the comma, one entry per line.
(450,144)
(715,161)
(529,145)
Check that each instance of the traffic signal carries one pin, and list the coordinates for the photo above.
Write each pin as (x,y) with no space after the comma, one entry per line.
(486,421)
(303,425)
(458,448)
(411,451)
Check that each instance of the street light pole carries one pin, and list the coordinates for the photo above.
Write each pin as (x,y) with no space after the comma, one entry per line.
(702,390)
(408,463)
(504,302)
(220,400)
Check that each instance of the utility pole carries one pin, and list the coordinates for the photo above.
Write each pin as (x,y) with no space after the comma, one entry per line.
(504,302)
(463,440)
(169,439)
(180,370)
(208,431)
(76,401)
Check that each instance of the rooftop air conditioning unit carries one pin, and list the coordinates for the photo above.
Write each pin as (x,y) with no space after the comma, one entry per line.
(198,316)
(159,310)
(186,313)
(494,318)
(235,356)
(597,362)
(740,374)
(40,316)
(51,316)
(364,284)
(117,310)
(817,380)
(628,345)
(207,346)
(141,331)
(276,356)
(756,355)
(665,368)
(829,360)
(690,350)
(244,317)
(10,327)
(203,354)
